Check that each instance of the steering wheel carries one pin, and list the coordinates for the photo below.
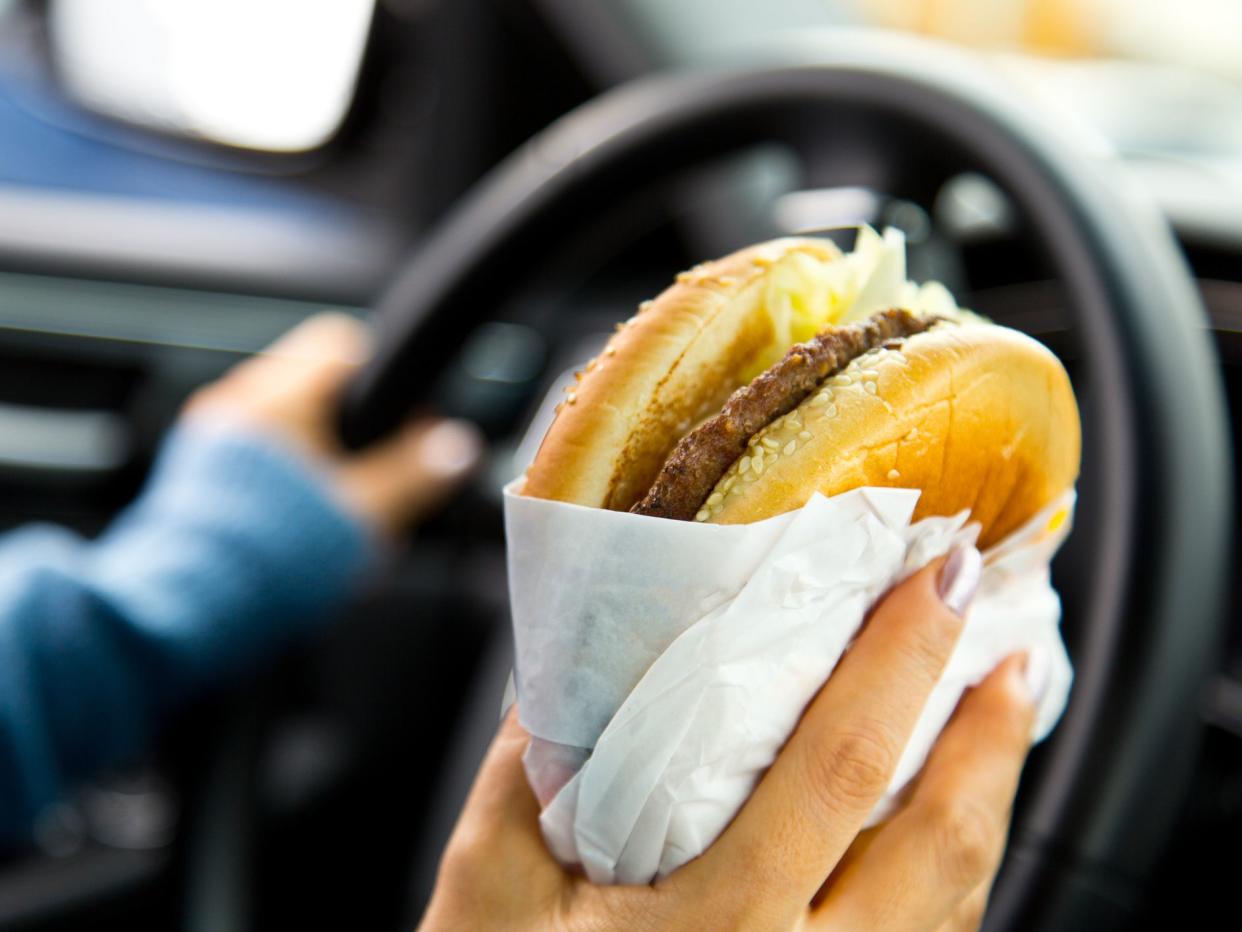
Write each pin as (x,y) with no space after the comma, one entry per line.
(1142,577)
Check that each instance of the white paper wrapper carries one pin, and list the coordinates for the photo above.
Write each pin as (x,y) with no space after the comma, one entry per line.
(662,664)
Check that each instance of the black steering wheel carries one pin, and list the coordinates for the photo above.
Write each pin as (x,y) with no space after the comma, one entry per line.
(1142,577)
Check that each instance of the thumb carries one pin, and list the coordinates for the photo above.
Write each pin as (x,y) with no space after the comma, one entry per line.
(395,483)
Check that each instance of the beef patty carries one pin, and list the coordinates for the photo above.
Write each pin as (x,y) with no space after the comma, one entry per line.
(703,456)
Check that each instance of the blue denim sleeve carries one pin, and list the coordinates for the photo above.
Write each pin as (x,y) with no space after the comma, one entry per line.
(234,548)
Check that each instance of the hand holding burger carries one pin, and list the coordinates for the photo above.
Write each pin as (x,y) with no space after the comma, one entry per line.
(790,859)
(751,384)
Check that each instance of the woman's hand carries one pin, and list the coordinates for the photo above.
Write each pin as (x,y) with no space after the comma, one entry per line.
(793,857)
(290,391)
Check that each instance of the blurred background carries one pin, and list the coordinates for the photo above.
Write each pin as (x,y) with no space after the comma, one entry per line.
(182,180)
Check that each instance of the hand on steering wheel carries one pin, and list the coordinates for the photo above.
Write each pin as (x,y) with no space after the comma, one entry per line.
(288,393)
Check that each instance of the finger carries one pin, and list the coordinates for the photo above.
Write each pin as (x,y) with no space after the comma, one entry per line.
(816,796)
(500,793)
(860,844)
(968,915)
(501,811)
(496,872)
(330,336)
(321,350)
(396,482)
(314,358)
(291,382)
(949,837)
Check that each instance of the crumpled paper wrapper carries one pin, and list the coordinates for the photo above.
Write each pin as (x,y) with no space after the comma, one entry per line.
(661,665)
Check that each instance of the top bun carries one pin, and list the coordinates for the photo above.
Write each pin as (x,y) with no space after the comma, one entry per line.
(665,370)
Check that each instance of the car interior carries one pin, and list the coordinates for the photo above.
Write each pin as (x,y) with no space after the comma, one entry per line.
(492,184)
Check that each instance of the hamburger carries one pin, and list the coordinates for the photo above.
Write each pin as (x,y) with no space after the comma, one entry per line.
(790,368)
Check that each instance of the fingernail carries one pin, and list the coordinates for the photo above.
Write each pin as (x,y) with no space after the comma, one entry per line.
(450,448)
(959,579)
(1038,673)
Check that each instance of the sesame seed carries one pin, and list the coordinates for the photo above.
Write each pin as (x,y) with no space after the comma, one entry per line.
(571,398)
(842,380)
(819,400)
(753,441)
(703,515)
(611,351)
(869,374)
(756,466)
(714,499)
(870,387)
(894,474)
(728,484)
(645,304)
(790,447)
(804,435)
(743,464)
(771,443)
(830,411)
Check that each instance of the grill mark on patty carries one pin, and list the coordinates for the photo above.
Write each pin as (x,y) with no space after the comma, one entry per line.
(703,456)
